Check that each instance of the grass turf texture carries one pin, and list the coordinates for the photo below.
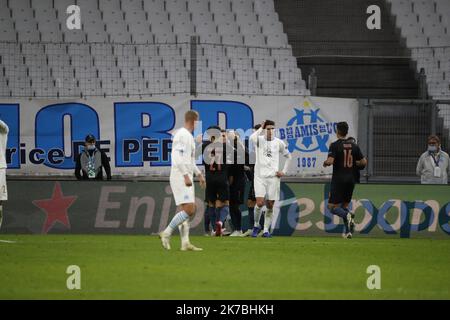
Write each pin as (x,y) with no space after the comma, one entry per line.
(136,267)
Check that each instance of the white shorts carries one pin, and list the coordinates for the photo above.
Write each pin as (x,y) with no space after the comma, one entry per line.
(267,187)
(181,192)
(3,188)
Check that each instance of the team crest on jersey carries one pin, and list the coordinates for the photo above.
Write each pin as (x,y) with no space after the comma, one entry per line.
(307,130)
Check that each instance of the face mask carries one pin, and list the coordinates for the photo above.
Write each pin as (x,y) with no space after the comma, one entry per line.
(432,148)
(90,147)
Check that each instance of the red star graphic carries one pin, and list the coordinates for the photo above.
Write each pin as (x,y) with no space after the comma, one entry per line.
(55,208)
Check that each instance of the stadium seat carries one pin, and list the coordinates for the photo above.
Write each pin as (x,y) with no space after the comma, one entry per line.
(264,6)
(5,14)
(224,17)
(48,25)
(439,40)
(228,28)
(133,17)
(161,27)
(132,5)
(176,6)
(272,28)
(250,29)
(232,39)
(42,4)
(54,49)
(201,17)
(61,8)
(75,36)
(97,36)
(277,40)
(28,35)
(19,4)
(220,6)
(205,28)
(22,13)
(267,18)
(183,28)
(142,37)
(242,6)
(87,5)
(198,6)
(165,38)
(109,5)
(422,7)
(246,18)
(154,5)
(43,14)
(401,6)
(254,40)
(210,38)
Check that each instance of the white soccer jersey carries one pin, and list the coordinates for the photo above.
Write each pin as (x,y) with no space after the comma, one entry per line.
(4,130)
(268,154)
(183,154)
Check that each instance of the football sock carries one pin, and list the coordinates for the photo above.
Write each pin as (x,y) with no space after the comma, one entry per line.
(223,213)
(268,220)
(184,232)
(257,216)
(178,219)
(206,219)
(251,216)
(212,216)
(340,212)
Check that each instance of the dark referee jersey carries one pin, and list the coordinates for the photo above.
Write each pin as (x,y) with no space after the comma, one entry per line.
(345,154)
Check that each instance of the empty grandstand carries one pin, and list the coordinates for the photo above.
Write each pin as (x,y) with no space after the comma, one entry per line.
(129,47)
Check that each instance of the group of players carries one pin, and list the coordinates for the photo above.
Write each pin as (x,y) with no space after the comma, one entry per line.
(226,174)
(228,167)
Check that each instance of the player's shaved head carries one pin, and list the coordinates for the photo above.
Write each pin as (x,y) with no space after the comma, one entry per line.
(191,116)
(342,128)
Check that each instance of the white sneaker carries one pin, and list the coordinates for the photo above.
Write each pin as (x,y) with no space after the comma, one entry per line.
(165,240)
(236,233)
(190,247)
(247,233)
(261,233)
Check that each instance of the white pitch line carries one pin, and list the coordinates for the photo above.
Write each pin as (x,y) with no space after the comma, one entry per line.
(8,241)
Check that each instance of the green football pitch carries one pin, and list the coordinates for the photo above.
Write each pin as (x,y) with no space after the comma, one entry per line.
(136,267)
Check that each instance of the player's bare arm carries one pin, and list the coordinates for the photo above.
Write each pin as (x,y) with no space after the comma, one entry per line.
(328,162)
(361,163)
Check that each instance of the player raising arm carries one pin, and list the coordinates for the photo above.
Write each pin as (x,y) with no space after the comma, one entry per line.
(181,181)
(342,155)
(267,173)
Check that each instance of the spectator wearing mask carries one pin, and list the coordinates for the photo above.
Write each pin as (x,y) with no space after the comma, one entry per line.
(91,162)
(433,166)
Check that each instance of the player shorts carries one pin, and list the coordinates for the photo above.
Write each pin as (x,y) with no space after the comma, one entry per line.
(217,188)
(267,187)
(237,190)
(3,188)
(341,192)
(181,192)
